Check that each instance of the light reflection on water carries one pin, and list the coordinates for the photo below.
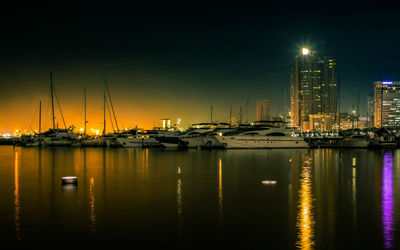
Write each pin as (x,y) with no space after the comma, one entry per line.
(220,197)
(17,214)
(305,216)
(388,220)
(92,205)
(326,197)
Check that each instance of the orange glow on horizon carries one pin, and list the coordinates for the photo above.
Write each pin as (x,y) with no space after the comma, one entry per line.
(135,106)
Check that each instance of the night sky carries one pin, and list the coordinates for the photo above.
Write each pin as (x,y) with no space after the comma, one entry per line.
(175,61)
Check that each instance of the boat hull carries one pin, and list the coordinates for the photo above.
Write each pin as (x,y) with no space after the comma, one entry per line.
(211,142)
(254,142)
(193,142)
(130,142)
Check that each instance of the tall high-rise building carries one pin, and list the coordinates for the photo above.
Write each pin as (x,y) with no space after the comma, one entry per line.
(313,92)
(386,104)
(263,110)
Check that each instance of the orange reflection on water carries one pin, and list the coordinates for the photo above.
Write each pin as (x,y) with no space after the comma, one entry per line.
(17,218)
(179,203)
(220,189)
(92,205)
(305,217)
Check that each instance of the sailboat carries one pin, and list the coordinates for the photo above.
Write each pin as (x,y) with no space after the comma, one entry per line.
(37,139)
(56,136)
(110,140)
(86,140)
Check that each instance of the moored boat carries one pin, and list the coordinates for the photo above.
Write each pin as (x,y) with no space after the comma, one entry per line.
(272,135)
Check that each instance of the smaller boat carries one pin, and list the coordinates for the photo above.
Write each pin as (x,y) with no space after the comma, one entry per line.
(60,137)
(69,180)
(383,138)
(354,141)
(89,141)
(143,138)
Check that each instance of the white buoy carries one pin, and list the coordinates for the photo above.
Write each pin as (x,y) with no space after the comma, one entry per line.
(268,182)
(69,180)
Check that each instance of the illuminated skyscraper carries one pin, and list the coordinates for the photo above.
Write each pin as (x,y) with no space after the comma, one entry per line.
(313,92)
(386,104)
(263,110)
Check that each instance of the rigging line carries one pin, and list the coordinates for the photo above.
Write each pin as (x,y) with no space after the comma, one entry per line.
(33,117)
(112,106)
(109,113)
(47,113)
(59,107)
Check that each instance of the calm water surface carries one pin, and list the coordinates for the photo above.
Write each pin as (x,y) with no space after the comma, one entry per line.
(323,198)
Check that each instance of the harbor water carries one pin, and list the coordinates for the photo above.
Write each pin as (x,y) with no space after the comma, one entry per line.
(248,199)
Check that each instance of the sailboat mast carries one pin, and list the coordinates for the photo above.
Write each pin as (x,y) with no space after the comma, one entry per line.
(104,107)
(40,116)
(84,96)
(339,128)
(52,100)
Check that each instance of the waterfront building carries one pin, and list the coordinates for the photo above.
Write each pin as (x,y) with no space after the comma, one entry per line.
(263,110)
(313,92)
(386,104)
(351,121)
(166,123)
(370,110)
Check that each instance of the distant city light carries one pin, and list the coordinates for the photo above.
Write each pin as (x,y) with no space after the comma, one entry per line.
(305,51)
(387,82)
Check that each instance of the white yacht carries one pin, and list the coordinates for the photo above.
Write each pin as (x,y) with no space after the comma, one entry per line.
(194,137)
(209,140)
(138,141)
(261,137)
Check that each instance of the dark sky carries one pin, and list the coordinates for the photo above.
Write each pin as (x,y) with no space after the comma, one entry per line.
(176,60)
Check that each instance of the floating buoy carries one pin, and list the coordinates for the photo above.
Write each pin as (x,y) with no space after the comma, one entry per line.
(268,182)
(69,180)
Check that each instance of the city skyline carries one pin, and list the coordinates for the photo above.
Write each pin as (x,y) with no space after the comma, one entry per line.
(313,92)
(177,62)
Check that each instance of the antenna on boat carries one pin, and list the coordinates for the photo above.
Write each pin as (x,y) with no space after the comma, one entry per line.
(354,113)
(247,110)
(240,116)
(230,115)
(211,114)
(358,109)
